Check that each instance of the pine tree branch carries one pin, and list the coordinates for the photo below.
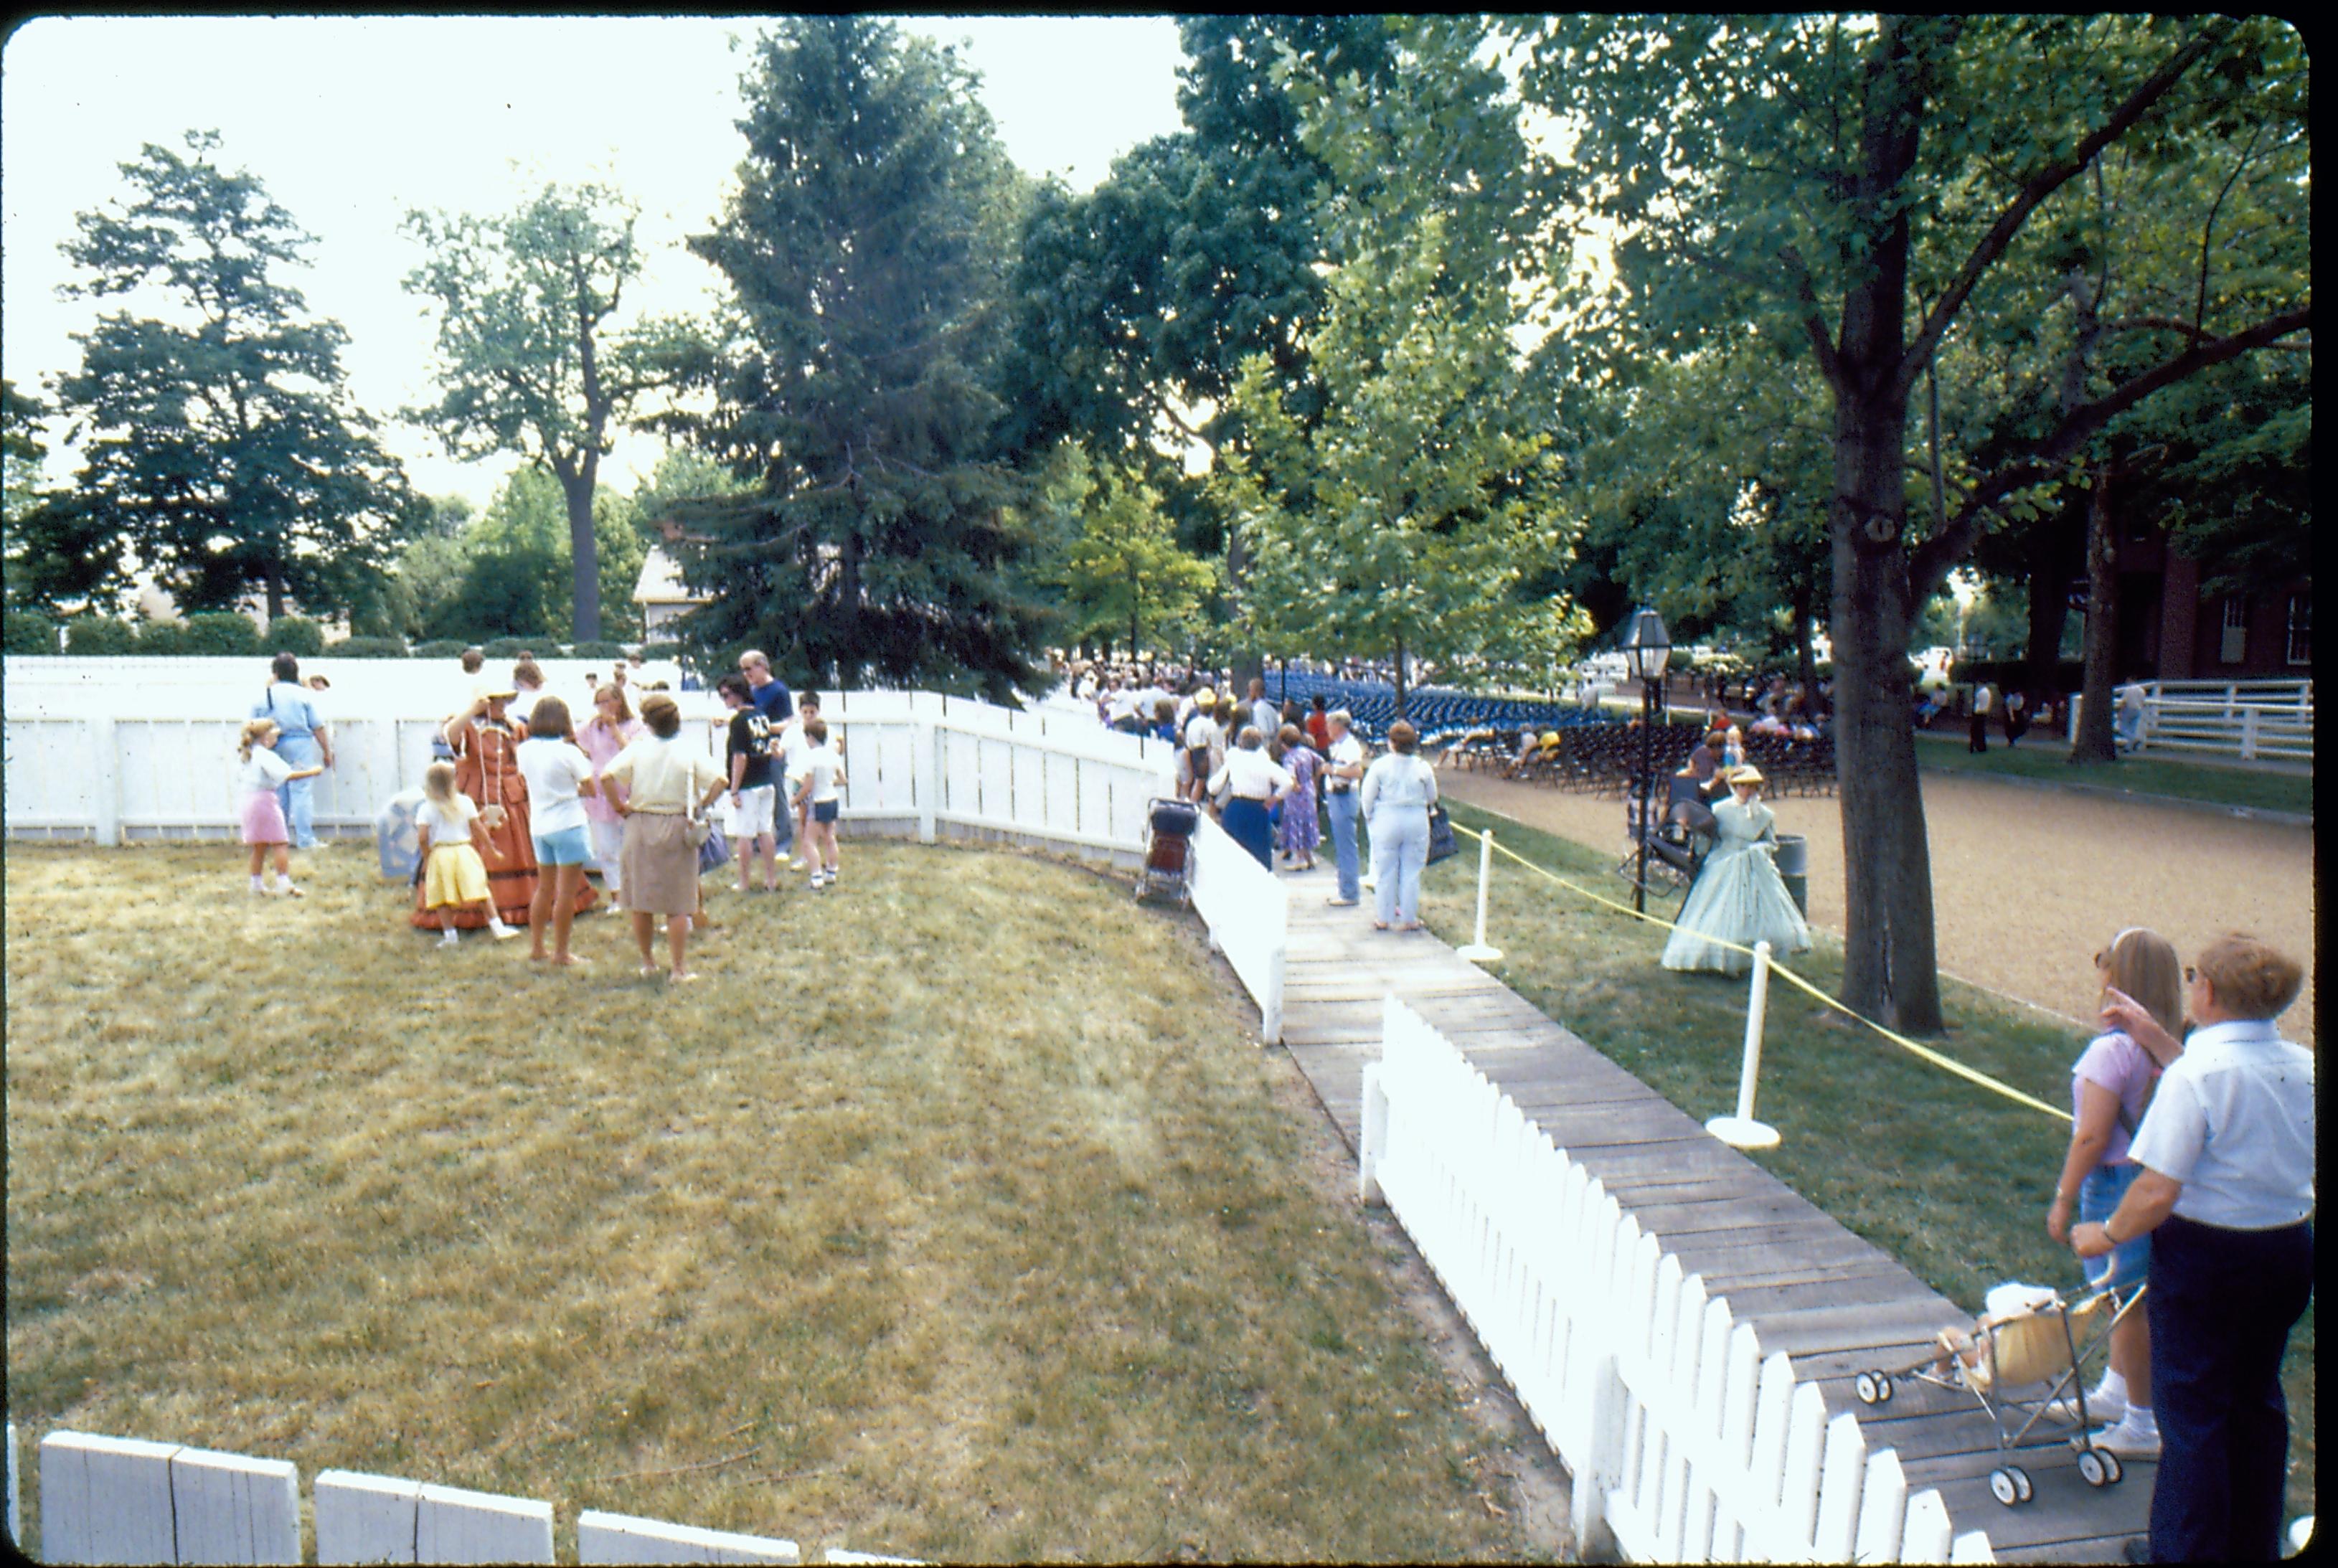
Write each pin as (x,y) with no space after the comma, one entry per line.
(2042,185)
(1928,564)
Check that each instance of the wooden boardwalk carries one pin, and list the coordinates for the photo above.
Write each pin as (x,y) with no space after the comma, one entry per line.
(1834,1303)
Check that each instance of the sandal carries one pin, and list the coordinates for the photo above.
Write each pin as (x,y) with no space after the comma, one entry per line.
(1379,925)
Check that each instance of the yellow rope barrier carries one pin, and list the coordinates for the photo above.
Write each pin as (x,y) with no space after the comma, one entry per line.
(1924,1052)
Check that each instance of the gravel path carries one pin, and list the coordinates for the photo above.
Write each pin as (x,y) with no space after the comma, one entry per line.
(2027,883)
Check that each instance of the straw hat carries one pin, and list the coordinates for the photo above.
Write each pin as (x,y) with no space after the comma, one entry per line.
(1748,774)
(1205,698)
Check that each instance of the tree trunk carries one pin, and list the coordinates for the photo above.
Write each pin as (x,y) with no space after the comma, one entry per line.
(1400,690)
(275,599)
(2094,742)
(1890,969)
(2055,557)
(583,551)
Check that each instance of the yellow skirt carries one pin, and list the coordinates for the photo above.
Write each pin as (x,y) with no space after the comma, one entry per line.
(456,875)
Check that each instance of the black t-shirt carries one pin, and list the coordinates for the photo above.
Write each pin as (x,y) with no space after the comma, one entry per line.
(751,737)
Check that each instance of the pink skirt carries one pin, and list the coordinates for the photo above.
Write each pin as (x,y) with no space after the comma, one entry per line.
(264,820)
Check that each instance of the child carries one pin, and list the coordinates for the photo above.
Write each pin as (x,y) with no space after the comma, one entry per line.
(819,782)
(454,877)
(260,772)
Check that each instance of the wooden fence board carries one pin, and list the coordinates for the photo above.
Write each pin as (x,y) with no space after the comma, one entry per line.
(105,1499)
(618,1538)
(231,1509)
(454,1525)
(365,1518)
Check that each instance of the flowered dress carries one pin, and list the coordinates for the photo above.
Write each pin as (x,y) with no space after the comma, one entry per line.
(1301,830)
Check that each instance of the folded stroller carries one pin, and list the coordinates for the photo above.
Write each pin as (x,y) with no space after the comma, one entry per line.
(2026,1362)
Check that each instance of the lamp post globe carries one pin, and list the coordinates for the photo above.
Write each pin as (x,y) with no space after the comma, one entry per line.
(1648,649)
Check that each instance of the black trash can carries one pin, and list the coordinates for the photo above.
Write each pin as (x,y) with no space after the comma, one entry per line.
(1793,862)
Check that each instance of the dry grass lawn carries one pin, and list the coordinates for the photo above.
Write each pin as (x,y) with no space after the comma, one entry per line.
(952,1214)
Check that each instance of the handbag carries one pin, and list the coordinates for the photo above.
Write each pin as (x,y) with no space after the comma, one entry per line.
(715,849)
(1442,842)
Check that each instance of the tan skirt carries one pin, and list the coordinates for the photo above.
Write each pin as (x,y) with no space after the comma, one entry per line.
(659,866)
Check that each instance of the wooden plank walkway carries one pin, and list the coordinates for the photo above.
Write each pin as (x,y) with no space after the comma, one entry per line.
(1835,1303)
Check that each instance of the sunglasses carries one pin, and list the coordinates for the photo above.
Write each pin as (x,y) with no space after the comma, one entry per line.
(2190,973)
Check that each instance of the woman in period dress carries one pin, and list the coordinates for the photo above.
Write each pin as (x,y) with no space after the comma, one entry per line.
(485,741)
(1739,896)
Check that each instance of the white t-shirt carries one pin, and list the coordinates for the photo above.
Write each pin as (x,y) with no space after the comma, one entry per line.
(553,770)
(264,772)
(817,769)
(446,827)
(1346,751)
(1198,731)
(793,747)
(2234,1122)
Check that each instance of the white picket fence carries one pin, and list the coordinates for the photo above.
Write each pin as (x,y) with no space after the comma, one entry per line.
(1248,912)
(2249,720)
(125,1500)
(1685,1443)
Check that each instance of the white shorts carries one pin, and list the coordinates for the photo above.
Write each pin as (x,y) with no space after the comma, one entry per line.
(751,812)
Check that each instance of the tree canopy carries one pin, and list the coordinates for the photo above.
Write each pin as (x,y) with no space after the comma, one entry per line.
(219,444)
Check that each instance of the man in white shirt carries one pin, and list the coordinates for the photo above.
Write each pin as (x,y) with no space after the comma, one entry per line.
(2227,1194)
(1263,713)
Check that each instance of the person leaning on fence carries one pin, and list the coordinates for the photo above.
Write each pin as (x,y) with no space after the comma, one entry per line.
(2226,1195)
(2110,1086)
(665,779)
(1398,792)
(1251,781)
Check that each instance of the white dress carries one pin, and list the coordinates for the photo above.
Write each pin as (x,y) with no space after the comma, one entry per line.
(1738,898)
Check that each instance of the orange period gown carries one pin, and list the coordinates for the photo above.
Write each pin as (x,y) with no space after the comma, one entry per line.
(486,770)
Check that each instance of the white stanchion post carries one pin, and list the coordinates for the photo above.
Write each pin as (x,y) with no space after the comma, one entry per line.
(1478,952)
(1742,1130)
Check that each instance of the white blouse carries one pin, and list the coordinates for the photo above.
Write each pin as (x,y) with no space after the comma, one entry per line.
(1252,776)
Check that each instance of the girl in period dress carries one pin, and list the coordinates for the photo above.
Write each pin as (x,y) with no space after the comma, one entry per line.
(259,773)
(1739,897)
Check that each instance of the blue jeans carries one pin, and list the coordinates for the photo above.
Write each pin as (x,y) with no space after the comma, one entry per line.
(1341,804)
(1399,849)
(2222,1304)
(300,807)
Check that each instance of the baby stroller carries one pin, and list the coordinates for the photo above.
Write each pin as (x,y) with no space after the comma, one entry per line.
(2026,1363)
(1169,850)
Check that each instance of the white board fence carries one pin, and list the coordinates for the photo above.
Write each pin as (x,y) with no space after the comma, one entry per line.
(1685,1443)
(1248,912)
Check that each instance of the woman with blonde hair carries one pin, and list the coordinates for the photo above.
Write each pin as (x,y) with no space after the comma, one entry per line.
(2110,1086)
(609,731)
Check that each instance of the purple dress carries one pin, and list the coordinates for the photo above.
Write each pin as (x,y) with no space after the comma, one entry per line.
(1300,832)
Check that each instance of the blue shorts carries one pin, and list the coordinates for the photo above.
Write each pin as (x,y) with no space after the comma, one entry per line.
(2125,1265)
(569,847)
(824,810)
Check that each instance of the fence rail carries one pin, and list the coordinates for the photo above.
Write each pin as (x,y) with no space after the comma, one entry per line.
(2249,720)
(1686,1441)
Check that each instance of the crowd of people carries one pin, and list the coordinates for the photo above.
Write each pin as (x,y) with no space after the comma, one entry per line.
(521,805)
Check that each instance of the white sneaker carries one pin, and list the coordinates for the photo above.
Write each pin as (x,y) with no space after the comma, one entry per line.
(2099,1407)
(2128,1440)
(449,940)
(503,932)
(819,882)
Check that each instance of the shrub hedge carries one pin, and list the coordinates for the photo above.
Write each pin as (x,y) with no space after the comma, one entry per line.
(221,633)
(100,634)
(297,635)
(513,647)
(440,648)
(600,649)
(369,647)
(23,633)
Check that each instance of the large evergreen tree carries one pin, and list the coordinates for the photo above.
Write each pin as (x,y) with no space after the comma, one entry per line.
(865,250)
(221,442)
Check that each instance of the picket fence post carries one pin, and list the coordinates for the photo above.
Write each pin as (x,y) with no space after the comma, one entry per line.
(1373,1140)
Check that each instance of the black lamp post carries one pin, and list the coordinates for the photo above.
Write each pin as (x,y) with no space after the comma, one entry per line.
(1648,649)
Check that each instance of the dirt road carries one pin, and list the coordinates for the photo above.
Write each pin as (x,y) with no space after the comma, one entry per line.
(2027,883)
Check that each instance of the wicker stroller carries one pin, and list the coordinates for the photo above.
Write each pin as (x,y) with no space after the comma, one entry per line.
(2028,1368)
(1168,865)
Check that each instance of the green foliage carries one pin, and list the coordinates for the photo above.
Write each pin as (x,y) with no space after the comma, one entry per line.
(221,445)
(1114,557)
(661,651)
(864,255)
(295,634)
(369,647)
(515,647)
(165,640)
(100,634)
(596,649)
(221,631)
(530,357)
(23,631)
(441,648)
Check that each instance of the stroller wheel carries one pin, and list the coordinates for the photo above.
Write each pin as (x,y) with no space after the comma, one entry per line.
(2092,1468)
(2111,1466)
(2001,1487)
(1872,1387)
(2021,1483)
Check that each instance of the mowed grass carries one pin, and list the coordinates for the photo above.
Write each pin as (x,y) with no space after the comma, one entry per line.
(2230,785)
(955,1214)
(1948,1178)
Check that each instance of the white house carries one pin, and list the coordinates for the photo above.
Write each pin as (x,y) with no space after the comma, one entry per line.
(661,594)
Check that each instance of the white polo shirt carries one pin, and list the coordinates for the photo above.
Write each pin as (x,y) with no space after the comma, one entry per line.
(2234,1122)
